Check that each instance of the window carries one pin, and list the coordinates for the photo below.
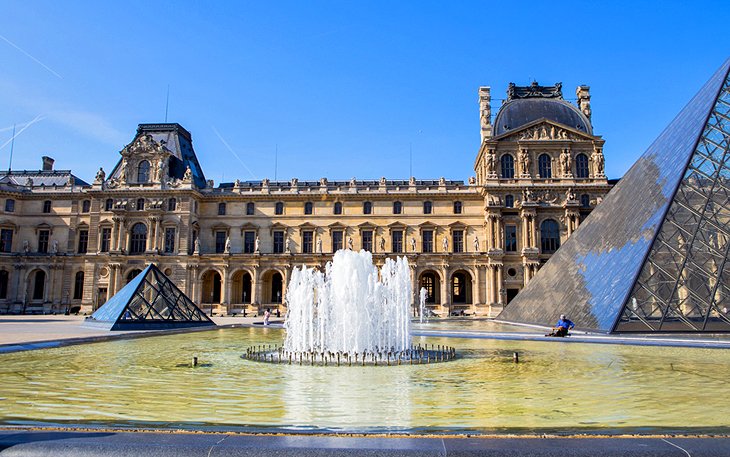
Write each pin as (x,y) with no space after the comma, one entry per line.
(43,237)
(549,236)
(47,206)
(427,241)
(9,205)
(140,204)
(169,240)
(397,207)
(510,238)
(83,241)
(581,166)
(79,285)
(250,209)
(108,204)
(308,242)
(221,209)
(367,208)
(545,166)
(3,284)
(509,201)
(138,239)
(308,208)
(457,207)
(85,206)
(143,172)
(397,241)
(106,238)
(172,204)
(585,201)
(39,286)
(427,207)
(6,240)
(458,239)
(508,166)
(220,241)
(338,207)
(278,242)
(367,240)
(279,208)
(336,240)
(249,242)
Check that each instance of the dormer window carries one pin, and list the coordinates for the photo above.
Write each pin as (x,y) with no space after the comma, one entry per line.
(46,206)
(140,204)
(143,172)
(221,209)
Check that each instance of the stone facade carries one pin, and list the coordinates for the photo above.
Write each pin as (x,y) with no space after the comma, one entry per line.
(231,248)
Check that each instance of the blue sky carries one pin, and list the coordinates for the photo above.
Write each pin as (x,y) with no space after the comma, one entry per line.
(341,89)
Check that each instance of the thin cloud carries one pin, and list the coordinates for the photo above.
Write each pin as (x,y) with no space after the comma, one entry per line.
(17,133)
(31,57)
(225,143)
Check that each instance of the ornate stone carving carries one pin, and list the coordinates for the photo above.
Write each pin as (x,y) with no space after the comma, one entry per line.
(100,176)
(598,162)
(472,180)
(534,90)
(569,194)
(566,163)
(413,244)
(188,176)
(445,244)
(491,163)
(546,132)
(524,159)
(476,244)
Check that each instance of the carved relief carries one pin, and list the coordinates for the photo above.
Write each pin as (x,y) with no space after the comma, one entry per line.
(566,163)
(524,159)
(546,132)
(598,162)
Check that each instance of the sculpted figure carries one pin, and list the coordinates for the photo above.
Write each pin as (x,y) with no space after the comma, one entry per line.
(491,163)
(413,244)
(54,247)
(524,159)
(565,162)
(382,244)
(598,160)
(100,175)
(445,244)
(256,245)
(319,245)
(287,245)
(26,246)
(196,246)
(476,244)
(227,248)
(188,176)
(349,243)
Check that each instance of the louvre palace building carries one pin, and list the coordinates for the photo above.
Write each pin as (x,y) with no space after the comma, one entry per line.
(66,244)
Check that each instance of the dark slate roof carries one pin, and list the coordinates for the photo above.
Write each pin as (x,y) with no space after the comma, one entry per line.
(518,112)
(40,178)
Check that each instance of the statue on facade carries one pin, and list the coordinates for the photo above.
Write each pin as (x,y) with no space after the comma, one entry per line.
(383,181)
(161,170)
(349,243)
(445,244)
(353,182)
(319,245)
(287,245)
(569,194)
(227,248)
(257,245)
(123,173)
(413,244)
(100,176)
(598,160)
(472,180)
(382,244)
(196,247)
(188,176)
(476,244)
(565,163)
(491,161)
(26,246)
(524,159)
(54,247)
(412,181)
(29,182)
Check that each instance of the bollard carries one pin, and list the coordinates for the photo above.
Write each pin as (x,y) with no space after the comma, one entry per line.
(195,361)
(516,357)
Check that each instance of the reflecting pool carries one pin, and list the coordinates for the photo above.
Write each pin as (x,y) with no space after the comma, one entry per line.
(148,382)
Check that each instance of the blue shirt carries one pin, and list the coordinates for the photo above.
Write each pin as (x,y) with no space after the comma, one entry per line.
(566,323)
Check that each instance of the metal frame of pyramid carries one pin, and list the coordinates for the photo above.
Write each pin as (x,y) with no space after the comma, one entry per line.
(653,257)
(151,301)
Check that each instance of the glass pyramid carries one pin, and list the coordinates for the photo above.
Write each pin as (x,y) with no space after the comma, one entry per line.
(654,255)
(149,302)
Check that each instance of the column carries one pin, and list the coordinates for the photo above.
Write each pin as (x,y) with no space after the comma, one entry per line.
(225,287)
(478,295)
(499,284)
(445,287)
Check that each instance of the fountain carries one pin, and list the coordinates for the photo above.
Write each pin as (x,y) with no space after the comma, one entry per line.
(351,313)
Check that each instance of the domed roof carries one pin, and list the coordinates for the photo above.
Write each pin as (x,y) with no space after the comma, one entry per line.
(530,103)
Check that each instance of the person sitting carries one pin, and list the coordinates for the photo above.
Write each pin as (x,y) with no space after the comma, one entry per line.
(562,327)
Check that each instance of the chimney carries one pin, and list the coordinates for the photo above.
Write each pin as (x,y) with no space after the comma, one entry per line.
(485,112)
(584,100)
(47,163)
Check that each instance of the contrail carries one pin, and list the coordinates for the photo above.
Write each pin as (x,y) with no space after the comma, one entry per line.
(225,143)
(37,119)
(30,56)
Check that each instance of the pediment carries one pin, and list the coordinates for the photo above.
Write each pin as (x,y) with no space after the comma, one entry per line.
(145,145)
(427,224)
(337,225)
(367,225)
(544,130)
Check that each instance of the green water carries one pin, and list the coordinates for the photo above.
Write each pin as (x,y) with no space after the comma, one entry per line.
(555,387)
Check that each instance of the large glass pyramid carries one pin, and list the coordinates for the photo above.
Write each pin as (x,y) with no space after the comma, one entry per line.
(654,255)
(149,302)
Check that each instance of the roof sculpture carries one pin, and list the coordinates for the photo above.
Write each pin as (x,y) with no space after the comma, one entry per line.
(655,255)
(150,301)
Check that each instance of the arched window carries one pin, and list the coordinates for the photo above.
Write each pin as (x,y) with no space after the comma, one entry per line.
(508,166)
(108,204)
(457,207)
(581,166)
(549,236)
(171,204)
(279,208)
(509,201)
(367,208)
(86,206)
(143,171)
(308,207)
(397,207)
(545,166)
(138,239)
(585,201)
(39,285)
(140,204)
(47,206)
(221,209)
(338,207)
(427,207)
(250,207)
(3,284)
(132,274)
(79,285)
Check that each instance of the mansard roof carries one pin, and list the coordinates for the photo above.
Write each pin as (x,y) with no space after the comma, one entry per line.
(17,180)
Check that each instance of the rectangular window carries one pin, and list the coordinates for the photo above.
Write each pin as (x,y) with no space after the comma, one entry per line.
(9,205)
(47,206)
(458,238)
(220,242)
(397,241)
(106,238)
(510,238)
(307,242)
(278,242)
(170,240)
(427,241)
(43,237)
(249,242)
(336,240)
(83,241)
(6,240)
(367,240)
